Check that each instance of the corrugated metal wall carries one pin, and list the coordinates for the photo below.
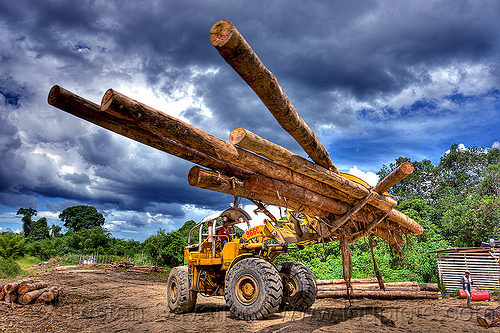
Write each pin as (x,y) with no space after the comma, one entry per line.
(483,266)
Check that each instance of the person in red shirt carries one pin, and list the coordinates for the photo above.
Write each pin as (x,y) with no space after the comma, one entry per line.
(225,230)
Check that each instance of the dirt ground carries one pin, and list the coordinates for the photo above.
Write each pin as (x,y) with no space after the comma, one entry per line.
(98,300)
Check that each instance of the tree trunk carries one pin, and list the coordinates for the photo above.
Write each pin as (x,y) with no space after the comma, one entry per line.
(428,286)
(346,190)
(379,294)
(48,295)
(10,297)
(212,180)
(82,108)
(341,281)
(398,174)
(490,318)
(30,296)
(236,51)
(25,287)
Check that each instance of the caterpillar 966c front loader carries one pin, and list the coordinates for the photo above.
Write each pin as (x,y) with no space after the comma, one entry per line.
(240,266)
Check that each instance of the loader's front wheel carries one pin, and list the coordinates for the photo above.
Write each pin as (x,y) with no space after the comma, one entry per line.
(180,298)
(299,286)
(253,289)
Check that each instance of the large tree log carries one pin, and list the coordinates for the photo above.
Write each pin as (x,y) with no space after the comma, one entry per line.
(236,51)
(215,181)
(341,281)
(350,191)
(10,297)
(30,296)
(167,126)
(367,287)
(339,286)
(491,318)
(428,286)
(25,287)
(48,295)
(87,110)
(398,174)
(379,294)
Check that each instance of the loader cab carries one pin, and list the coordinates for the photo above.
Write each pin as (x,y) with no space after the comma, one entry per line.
(205,237)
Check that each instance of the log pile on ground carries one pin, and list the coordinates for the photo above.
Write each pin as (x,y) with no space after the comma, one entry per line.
(144,270)
(122,265)
(342,206)
(370,288)
(28,291)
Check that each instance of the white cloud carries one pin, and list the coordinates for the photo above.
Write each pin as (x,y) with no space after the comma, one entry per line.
(369,177)
(496,144)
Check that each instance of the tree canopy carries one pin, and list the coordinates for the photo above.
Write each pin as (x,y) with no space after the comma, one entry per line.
(81,217)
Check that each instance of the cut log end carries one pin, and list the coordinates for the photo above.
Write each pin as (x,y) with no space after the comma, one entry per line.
(221,33)
(194,176)
(53,94)
(407,168)
(237,135)
(107,99)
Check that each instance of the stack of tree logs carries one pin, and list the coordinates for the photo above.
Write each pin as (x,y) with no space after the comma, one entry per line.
(144,270)
(252,167)
(122,265)
(26,292)
(370,288)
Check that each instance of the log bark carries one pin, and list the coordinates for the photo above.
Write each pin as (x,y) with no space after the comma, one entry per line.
(235,50)
(30,296)
(47,296)
(428,286)
(215,181)
(397,175)
(367,287)
(152,120)
(341,281)
(25,287)
(372,286)
(491,318)
(348,190)
(379,294)
(87,110)
(10,297)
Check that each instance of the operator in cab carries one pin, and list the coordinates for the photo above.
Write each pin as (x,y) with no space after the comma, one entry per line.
(225,230)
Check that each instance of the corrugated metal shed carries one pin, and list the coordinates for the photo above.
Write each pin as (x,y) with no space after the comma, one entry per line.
(483,264)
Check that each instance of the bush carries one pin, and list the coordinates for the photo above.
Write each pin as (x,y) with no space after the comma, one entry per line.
(9,268)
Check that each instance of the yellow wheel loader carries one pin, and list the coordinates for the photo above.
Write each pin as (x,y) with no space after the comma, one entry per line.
(240,266)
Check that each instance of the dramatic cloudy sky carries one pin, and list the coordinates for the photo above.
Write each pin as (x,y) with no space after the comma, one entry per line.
(374,79)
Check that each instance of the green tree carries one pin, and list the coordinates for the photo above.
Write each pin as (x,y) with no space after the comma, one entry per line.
(81,217)
(11,244)
(56,230)
(39,230)
(468,221)
(420,184)
(27,214)
(167,248)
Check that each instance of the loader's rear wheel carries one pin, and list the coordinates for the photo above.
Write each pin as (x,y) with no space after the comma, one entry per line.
(299,286)
(253,289)
(180,298)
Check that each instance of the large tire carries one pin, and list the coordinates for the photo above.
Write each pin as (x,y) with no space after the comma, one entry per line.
(253,289)
(180,298)
(299,286)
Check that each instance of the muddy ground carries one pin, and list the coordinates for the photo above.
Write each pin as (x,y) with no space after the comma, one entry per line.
(98,300)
